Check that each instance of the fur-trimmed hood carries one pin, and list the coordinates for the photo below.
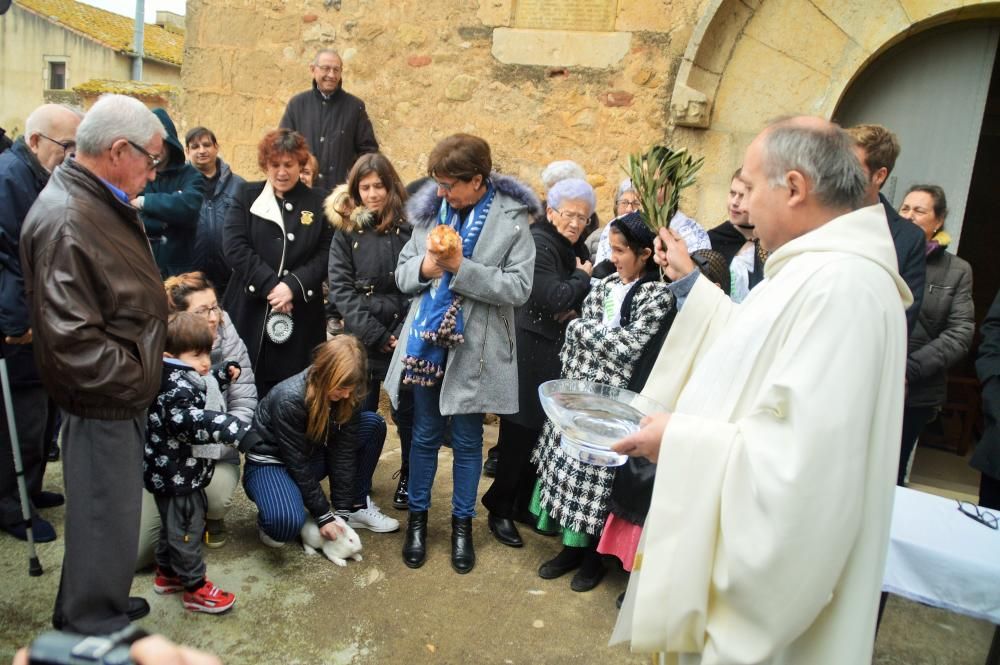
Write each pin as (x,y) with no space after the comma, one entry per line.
(360,219)
(334,203)
(422,208)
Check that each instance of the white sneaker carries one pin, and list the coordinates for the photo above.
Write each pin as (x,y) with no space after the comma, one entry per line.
(268,540)
(372,518)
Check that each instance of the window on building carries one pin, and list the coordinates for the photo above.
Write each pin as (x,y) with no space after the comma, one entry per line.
(57,76)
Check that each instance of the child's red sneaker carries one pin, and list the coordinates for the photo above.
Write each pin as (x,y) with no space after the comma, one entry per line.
(164,584)
(209,598)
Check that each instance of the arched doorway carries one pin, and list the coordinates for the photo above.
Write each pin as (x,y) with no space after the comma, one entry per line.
(939,91)
(931,90)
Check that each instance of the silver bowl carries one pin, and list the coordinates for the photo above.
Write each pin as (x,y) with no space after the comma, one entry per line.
(591,417)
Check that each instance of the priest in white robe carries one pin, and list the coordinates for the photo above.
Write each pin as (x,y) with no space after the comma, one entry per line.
(767,534)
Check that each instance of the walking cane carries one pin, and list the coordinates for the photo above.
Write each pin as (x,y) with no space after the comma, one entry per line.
(34,566)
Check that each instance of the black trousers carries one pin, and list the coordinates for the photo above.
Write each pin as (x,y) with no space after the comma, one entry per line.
(102,472)
(510,493)
(402,417)
(33,415)
(182,523)
(989,492)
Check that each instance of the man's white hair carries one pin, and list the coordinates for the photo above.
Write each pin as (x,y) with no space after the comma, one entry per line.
(40,120)
(116,117)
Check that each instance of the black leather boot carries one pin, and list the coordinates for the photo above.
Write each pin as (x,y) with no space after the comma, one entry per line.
(401,499)
(463,554)
(415,542)
(503,530)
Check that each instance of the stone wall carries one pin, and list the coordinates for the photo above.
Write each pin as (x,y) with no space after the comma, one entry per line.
(703,74)
(427,69)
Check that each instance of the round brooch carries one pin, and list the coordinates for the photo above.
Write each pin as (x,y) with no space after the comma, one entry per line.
(279,327)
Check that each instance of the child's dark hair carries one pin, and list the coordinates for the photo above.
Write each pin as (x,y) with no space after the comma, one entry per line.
(188,332)
(636,235)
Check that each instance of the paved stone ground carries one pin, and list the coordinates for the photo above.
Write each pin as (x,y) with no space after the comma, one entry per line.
(304,610)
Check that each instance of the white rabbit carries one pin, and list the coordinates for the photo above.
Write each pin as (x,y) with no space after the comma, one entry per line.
(346,546)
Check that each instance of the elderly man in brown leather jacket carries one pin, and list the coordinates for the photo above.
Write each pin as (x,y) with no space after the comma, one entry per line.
(99,320)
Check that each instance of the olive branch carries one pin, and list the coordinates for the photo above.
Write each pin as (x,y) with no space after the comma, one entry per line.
(660,175)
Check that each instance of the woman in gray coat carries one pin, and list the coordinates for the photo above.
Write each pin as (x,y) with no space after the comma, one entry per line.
(457,348)
(943,332)
(192,292)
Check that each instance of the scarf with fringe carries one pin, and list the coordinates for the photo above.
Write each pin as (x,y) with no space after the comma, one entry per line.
(438,325)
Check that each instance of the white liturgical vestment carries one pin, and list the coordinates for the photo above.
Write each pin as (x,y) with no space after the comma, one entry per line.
(767,534)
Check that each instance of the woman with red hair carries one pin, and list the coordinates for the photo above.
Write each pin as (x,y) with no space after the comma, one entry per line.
(276,241)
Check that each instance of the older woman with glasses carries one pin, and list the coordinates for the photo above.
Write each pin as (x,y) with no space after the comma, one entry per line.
(561,282)
(276,240)
(192,292)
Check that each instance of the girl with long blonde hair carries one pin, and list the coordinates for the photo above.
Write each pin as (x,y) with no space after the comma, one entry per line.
(311,428)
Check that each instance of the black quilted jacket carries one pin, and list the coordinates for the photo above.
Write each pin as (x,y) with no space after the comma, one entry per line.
(281,420)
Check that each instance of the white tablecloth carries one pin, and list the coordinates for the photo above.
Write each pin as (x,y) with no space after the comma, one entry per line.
(940,557)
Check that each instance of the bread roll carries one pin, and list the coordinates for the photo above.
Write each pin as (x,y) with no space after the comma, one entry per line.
(444,240)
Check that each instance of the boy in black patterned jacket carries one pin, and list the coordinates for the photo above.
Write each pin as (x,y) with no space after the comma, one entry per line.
(183,433)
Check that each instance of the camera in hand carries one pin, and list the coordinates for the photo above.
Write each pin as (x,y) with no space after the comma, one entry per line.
(58,648)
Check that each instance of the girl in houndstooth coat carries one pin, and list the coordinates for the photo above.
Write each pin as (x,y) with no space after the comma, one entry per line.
(620,316)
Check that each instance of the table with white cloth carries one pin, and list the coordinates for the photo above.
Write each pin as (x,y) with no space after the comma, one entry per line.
(940,557)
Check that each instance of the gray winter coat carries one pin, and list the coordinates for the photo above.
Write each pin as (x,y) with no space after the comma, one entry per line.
(241,396)
(481,373)
(943,331)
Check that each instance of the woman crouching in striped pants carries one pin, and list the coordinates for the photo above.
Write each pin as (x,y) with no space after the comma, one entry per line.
(311,428)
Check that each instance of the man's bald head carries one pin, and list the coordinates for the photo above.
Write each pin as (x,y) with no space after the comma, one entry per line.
(50,132)
(800,173)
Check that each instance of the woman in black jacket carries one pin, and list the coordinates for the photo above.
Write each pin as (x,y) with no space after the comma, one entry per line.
(561,282)
(942,334)
(311,428)
(276,241)
(362,263)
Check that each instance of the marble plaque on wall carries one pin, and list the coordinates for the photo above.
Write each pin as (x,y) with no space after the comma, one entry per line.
(583,15)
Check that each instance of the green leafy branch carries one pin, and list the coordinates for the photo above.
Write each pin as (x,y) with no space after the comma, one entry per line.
(660,175)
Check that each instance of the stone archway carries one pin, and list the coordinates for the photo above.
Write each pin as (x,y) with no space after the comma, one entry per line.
(748,61)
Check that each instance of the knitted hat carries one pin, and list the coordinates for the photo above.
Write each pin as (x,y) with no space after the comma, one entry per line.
(634,229)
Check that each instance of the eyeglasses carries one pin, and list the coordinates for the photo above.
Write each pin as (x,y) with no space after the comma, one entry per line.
(573,217)
(156,162)
(444,185)
(67,146)
(629,204)
(972,511)
(328,69)
(208,312)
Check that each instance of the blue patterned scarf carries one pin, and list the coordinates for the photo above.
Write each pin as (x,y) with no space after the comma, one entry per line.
(437,325)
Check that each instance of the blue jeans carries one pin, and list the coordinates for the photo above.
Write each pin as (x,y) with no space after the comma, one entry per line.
(466,445)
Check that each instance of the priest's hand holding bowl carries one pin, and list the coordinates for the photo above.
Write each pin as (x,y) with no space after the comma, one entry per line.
(671,254)
(645,442)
